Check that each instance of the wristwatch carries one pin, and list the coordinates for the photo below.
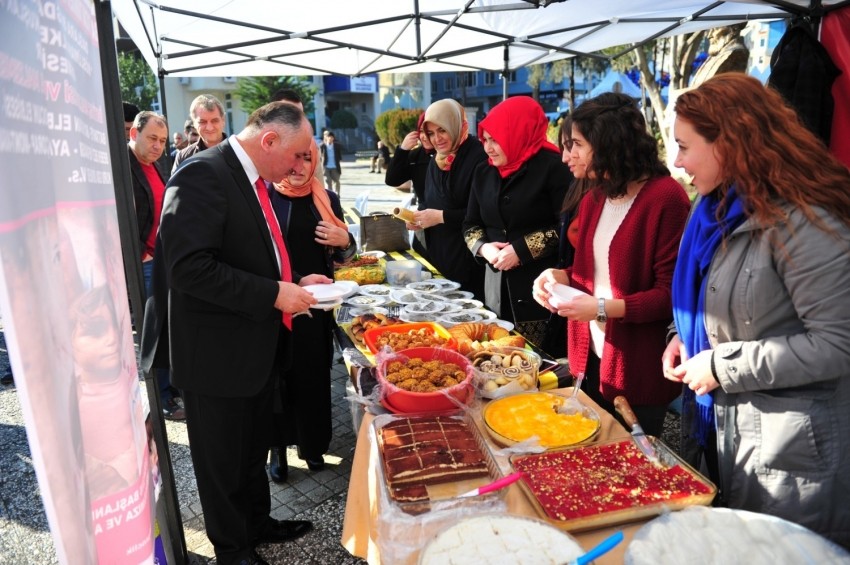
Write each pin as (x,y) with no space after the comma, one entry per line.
(601,316)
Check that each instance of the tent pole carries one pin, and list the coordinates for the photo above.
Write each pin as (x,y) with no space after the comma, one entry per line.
(130,249)
(506,71)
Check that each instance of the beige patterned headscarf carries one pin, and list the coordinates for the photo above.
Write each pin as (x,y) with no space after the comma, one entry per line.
(449,115)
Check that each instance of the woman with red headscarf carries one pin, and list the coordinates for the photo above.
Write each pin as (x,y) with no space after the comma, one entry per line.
(311,220)
(513,214)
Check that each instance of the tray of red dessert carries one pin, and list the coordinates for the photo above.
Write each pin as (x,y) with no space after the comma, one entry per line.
(595,486)
(427,461)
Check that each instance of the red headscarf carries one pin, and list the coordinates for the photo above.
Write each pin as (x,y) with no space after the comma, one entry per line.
(519,126)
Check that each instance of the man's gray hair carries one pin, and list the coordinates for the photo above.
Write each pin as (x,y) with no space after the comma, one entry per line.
(277,113)
(208,102)
(142,119)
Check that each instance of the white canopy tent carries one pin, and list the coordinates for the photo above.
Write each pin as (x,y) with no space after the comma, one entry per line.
(356,37)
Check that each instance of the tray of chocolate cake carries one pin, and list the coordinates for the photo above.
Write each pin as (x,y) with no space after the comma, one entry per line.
(600,485)
(427,461)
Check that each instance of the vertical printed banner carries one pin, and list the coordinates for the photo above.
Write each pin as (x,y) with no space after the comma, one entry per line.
(62,288)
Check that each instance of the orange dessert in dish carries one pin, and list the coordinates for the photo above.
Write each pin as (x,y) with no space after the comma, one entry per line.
(517,418)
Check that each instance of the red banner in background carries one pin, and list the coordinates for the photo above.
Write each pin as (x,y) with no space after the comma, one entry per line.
(835,37)
(62,288)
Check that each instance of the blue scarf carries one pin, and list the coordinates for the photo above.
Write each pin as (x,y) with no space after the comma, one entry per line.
(703,235)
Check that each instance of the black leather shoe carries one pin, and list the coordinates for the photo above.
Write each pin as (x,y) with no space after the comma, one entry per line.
(278,467)
(278,531)
(173,410)
(312,464)
(316,464)
(255,559)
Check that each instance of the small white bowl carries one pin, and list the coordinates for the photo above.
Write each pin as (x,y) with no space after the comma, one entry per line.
(562,294)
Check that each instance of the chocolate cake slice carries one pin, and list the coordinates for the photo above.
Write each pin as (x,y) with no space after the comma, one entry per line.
(427,451)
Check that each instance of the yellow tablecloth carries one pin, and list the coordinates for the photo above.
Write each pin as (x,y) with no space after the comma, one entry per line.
(361,509)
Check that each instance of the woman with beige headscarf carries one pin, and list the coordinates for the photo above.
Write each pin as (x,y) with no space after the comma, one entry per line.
(447,186)
(316,235)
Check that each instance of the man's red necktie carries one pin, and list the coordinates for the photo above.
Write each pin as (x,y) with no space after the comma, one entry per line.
(277,236)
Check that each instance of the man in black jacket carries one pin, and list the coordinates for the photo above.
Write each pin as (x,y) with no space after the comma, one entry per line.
(148,138)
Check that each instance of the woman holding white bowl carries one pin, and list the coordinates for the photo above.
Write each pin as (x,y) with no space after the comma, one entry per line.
(629,227)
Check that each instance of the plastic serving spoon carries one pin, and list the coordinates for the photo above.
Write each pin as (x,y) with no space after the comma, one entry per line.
(601,549)
(495,485)
(572,405)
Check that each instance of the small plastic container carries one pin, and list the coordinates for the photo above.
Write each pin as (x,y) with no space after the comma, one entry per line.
(401,273)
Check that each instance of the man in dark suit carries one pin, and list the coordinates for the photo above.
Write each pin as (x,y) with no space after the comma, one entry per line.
(223,271)
(148,137)
(332,162)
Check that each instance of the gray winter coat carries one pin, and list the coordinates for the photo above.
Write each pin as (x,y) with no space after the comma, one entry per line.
(778,317)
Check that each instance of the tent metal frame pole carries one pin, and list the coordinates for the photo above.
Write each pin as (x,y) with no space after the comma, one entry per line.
(131,251)
(506,71)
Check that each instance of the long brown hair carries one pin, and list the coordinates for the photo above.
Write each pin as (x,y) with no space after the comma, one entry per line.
(623,149)
(578,187)
(765,150)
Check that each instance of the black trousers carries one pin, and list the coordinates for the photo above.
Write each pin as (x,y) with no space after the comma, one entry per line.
(229,439)
(650,417)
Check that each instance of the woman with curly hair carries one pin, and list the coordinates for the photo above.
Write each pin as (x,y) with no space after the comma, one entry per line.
(761,298)
(629,226)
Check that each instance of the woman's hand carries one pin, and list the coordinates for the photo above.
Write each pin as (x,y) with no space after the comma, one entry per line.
(674,355)
(331,234)
(579,309)
(544,281)
(490,250)
(506,259)
(428,218)
(410,141)
(696,373)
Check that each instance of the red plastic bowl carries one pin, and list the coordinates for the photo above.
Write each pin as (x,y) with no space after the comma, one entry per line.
(404,401)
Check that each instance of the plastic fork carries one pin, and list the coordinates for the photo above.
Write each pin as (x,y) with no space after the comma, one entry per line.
(572,405)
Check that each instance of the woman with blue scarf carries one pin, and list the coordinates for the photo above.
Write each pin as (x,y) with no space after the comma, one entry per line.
(761,303)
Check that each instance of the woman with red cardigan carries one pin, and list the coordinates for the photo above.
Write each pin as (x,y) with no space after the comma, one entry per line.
(629,226)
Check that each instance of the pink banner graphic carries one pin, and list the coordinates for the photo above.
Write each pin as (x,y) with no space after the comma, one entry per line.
(62,288)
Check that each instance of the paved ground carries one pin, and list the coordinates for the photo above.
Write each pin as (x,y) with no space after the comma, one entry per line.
(320,497)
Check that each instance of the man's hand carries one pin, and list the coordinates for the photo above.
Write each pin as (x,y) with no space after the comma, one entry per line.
(315,278)
(291,298)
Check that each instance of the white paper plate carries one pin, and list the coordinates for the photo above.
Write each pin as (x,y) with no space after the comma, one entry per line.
(363,300)
(468,303)
(458,294)
(405,296)
(326,305)
(368,310)
(466,316)
(352,286)
(434,285)
(375,254)
(424,307)
(562,293)
(375,290)
(327,292)
(416,317)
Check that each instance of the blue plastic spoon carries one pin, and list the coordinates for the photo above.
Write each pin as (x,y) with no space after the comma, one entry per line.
(601,549)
